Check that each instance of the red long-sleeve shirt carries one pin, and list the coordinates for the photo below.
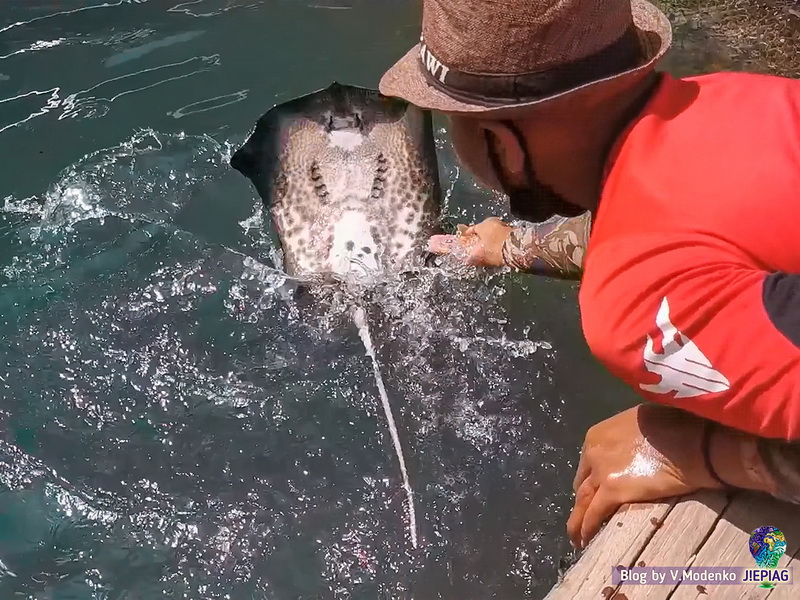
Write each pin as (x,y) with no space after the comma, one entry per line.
(691,285)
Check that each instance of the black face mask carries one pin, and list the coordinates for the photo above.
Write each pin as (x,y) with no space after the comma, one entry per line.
(535,201)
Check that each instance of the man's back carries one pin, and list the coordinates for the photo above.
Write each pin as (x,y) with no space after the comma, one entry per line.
(701,205)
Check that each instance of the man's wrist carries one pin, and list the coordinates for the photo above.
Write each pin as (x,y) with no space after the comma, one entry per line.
(716,482)
(509,252)
(734,456)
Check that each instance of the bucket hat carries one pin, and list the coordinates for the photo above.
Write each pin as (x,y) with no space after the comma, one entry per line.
(495,58)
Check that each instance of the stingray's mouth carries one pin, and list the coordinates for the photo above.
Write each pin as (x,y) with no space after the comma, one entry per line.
(350,121)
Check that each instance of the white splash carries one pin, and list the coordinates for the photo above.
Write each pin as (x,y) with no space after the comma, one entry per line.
(363,331)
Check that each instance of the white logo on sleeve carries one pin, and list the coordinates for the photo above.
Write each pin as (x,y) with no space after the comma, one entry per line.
(682,366)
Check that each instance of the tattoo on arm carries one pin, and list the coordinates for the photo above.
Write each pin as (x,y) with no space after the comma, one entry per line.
(555,248)
(782,462)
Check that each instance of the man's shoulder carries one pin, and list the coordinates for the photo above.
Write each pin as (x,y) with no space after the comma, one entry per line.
(715,141)
(748,81)
(732,92)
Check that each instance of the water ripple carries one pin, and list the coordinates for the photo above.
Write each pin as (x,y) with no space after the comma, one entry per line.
(90,104)
(212,8)
(21,103)
(35,46)
(67,12)
(84,105)
(139,51)
(209,104)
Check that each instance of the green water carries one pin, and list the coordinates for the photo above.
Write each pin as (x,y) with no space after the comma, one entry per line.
(171,427)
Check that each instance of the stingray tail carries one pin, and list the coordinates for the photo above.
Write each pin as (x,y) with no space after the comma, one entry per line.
(360,319)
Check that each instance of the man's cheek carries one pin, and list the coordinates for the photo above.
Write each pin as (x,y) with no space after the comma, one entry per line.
(473,157)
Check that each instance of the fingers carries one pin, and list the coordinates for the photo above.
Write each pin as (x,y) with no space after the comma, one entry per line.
(593,507)
(477,228)
(467,245)
(461,249)
(583,498)
(583,470)
(442,244)
(476,251)
(603,505)
(484,228)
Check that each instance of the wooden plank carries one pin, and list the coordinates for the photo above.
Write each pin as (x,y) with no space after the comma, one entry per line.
(728,545)
(620,542)
(677,541)
(684,532)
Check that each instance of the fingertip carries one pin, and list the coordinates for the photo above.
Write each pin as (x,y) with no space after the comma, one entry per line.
(441,244)
(574,538)
(599,511)
(584,498)
(574,527)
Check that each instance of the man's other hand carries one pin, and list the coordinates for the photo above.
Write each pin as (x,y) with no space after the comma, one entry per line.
(646,453)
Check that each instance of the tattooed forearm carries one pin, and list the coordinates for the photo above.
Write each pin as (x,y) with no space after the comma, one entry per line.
(781,461)
(555,248)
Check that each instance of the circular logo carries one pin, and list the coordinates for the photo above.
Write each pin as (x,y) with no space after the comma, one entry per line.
(767,545)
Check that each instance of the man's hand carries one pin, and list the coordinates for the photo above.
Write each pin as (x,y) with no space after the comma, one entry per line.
(479,245)
(646,453)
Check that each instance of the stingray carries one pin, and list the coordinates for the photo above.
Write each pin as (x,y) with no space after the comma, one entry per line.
(350,179)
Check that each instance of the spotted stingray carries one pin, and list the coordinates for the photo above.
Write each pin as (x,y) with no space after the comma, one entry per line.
(351,180)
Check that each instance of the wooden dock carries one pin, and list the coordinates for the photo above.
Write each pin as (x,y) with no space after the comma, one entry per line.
(707,529)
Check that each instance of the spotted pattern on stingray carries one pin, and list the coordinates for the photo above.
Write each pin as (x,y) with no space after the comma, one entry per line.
(355,184)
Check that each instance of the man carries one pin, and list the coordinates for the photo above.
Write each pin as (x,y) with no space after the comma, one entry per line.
(690,288)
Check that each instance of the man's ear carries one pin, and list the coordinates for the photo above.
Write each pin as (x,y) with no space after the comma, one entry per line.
(508,146)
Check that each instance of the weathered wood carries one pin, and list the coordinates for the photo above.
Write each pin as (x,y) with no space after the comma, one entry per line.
(676,542)
(728,545)
(707,529)
(619,543)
